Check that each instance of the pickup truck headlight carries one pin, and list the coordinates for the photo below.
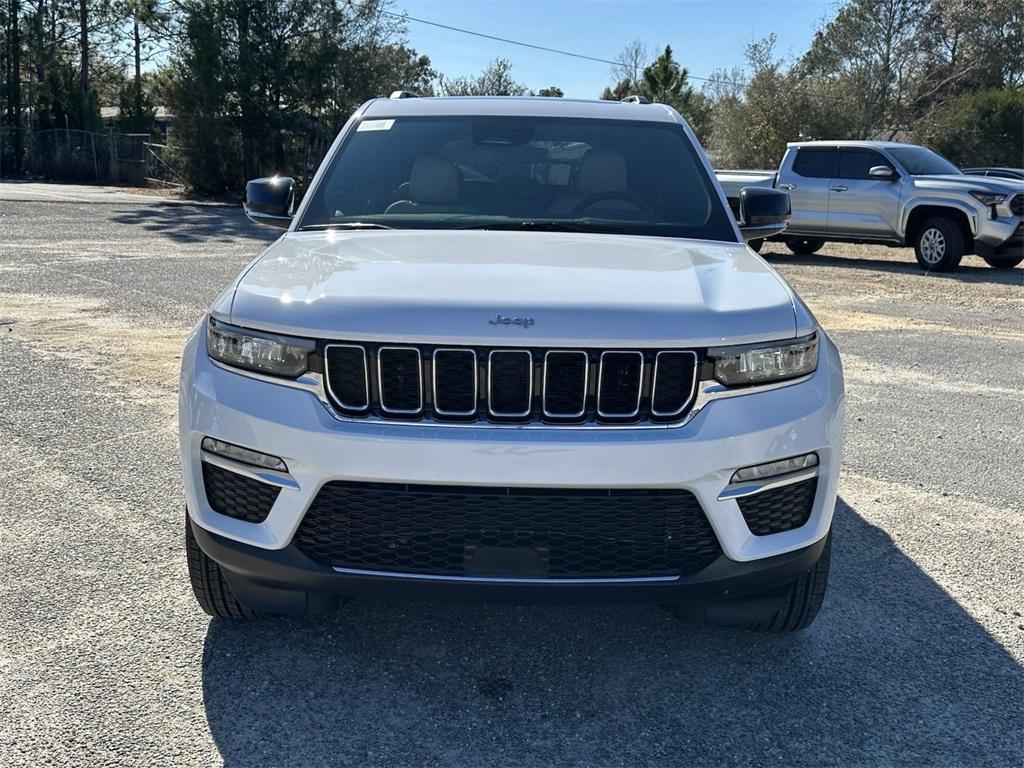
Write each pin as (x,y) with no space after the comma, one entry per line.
(987,198)
(764,363)
(258,351)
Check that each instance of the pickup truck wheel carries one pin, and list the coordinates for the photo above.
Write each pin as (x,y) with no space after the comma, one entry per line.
(212,591)
(756,245)
(1008,261)
(940,245)
(804,246)
(804,599)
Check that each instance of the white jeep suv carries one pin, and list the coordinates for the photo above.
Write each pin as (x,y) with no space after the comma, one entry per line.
(512,349)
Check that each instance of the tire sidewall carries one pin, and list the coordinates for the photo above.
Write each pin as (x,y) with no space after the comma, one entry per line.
(804,246)
(1007,261)
(952,242)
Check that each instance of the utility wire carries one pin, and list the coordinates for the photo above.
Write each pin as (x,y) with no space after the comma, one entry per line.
(559,51)
(405,17)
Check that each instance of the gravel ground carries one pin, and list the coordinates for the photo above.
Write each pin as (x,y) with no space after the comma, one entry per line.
(106,659)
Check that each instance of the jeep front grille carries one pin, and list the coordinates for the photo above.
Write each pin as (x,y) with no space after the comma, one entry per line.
(1017,205)
(514,385)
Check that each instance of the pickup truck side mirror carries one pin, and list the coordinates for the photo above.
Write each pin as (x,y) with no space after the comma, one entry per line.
(882,172)
(763,212)
(270,201)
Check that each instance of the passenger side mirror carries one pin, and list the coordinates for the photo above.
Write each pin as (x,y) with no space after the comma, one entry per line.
(763,212)
(270,200)
(882,172)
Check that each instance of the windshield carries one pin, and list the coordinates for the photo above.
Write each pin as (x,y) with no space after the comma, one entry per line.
(923,162)
(615,176)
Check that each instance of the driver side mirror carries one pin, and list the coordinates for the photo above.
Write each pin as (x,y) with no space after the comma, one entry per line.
(763,212)
(270,200)
(882,172)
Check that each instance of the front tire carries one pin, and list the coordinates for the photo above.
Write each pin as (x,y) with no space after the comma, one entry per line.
(804,246)
(212,591)
(804,599)
(940,245)
(756,245)
(1008,261)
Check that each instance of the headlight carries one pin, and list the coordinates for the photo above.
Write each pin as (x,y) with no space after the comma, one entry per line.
(987,198)
(258,351)
(764,363)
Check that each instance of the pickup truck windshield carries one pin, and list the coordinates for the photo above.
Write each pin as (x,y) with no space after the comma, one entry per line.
(923,162)
(549,174)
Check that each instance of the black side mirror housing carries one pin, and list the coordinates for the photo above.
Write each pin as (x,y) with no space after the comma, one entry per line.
(270,201)
(882,172)
(763,212)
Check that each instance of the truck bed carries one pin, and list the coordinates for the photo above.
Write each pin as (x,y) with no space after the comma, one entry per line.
(733,181)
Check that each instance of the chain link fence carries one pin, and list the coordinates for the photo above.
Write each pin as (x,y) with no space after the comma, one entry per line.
(60,154)
(134,159)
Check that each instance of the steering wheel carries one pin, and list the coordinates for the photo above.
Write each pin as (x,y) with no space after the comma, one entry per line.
(630,197)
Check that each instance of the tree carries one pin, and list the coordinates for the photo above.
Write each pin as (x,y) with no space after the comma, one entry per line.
(12,149)
(871,52)
(495,80)
(146,21)
(554,90)
(627,72)
(666,82)
(979,128)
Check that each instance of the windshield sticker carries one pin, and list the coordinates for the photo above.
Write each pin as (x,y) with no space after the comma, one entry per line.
(375,125)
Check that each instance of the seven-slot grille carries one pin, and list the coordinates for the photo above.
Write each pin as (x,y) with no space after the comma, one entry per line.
(516,385)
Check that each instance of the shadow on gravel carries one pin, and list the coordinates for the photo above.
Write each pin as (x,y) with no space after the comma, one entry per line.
(893,671)
(195,223)
(966,273)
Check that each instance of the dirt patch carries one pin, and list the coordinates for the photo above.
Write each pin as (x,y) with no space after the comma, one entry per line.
(842,319)
(858,370)
(88,334)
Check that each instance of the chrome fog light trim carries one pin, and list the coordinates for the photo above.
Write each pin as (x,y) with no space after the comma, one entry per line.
(243,455)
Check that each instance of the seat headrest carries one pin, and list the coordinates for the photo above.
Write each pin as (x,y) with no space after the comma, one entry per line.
(434,180)
(602,170)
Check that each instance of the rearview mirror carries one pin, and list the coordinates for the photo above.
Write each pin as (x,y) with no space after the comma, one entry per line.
(882,172)
(763,212)
(269,201)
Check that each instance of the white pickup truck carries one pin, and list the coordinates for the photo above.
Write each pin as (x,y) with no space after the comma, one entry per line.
(891,194)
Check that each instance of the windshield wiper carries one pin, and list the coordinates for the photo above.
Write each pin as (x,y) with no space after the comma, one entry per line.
(546,225)
(346,225)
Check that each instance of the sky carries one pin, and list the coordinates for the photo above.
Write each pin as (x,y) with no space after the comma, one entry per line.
(704,34)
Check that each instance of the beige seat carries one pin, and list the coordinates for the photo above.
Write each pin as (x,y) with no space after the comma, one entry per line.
(601,171)
(435,186)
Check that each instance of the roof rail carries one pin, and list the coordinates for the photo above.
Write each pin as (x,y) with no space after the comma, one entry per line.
(403,95)
(635,100)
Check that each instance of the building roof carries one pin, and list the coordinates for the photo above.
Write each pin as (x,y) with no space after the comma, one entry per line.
(114,112)
(518,106)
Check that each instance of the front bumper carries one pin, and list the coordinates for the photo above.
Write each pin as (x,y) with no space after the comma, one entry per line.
(285,581)
(699,456)
(1012,245)
(997,236)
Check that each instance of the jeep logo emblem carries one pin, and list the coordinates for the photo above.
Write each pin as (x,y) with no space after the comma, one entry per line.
(518,322)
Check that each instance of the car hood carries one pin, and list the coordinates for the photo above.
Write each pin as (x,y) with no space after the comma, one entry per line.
(436,286)
(966,183)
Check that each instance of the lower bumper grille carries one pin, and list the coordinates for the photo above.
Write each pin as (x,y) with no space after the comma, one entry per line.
(780,509)
(507,532)
(237,496)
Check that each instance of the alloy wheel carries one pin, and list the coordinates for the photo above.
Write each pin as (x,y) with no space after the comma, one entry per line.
(933,245)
